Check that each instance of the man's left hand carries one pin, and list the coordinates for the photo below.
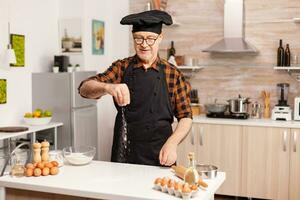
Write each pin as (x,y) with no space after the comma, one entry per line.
(168,154)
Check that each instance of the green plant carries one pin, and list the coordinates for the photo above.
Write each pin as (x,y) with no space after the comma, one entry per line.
(2,91)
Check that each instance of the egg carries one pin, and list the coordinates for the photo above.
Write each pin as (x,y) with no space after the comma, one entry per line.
(54,170)
(157,181)
(178,186)
(29,172)
(164,181)
(202,183)
(54,163)
(171,183)
(194,187)
(45,171)
(37,172)
(29,166)
(186,188)
(49,165)
(40,165)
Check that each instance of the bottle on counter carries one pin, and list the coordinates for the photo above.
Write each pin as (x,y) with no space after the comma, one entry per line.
(287,56)
(280,54)
(171,50)
(191,175)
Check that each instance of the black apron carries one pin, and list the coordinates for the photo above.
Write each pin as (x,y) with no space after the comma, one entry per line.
(149,116)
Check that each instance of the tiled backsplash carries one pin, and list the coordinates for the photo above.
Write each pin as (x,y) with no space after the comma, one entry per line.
(227,75)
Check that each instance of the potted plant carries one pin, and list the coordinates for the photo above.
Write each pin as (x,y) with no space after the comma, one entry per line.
(70,68)
(77,67)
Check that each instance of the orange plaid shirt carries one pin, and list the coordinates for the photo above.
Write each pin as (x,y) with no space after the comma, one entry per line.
(178,88)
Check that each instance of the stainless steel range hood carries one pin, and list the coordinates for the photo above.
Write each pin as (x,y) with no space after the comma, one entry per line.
(234,34)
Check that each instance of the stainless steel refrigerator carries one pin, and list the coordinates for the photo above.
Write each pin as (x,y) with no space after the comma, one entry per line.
(58,93)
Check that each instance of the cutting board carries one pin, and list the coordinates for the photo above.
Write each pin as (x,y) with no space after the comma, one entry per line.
(13,129)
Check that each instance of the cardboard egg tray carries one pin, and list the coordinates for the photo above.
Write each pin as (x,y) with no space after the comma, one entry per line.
(177,193)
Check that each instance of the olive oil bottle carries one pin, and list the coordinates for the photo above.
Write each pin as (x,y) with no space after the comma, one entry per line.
(287,56)
(280,55)
(191,176)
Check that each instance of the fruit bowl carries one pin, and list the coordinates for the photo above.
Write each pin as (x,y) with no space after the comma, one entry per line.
(37,121)
(81,155)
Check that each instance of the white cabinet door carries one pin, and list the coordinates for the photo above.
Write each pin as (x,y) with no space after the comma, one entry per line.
(266,162)
(186,146)
(221,145)
(295,165)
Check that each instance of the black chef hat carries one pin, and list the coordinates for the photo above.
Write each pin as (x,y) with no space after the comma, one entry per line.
(150,21)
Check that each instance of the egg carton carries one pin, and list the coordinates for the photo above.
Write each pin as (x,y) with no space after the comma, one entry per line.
(177,193)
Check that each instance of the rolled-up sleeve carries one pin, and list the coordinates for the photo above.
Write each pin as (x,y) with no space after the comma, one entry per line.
(112,75)
(182,99)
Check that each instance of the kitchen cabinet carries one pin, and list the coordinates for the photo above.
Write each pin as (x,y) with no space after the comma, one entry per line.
(259,161)
(186,146)
(218,145)
(265,160)
(294,192)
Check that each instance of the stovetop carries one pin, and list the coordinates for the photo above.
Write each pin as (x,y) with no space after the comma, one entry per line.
(227,115)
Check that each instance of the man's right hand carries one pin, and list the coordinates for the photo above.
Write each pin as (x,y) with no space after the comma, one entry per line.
(120,92)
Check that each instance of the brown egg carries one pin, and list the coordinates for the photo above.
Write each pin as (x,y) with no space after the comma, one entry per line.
(29,166)
(40,165)
(37,172)
(35,164)
(157,181)
(46,171)
(178,186)
(193,187)
(54,170)
(54,163)
(164,181)
(29,172)
(202,183)
(186,188)
(49,165)
(171,183)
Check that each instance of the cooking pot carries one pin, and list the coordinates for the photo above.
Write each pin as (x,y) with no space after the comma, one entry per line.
(239,105)
(216,107)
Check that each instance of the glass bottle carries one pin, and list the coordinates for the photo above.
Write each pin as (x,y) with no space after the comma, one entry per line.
(171,50)
(191,175)
(280,54)
(287,56)
(17,169)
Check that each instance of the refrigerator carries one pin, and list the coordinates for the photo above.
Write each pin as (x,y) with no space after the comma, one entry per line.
(58,92)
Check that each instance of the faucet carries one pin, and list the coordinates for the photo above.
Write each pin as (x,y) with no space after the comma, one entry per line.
(11,154)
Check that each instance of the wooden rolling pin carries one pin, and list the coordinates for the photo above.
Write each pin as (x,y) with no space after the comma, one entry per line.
(179,171)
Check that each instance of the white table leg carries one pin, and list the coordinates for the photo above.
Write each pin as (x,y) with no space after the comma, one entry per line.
(33,138)
(212,197)
(2,193)
(55,138)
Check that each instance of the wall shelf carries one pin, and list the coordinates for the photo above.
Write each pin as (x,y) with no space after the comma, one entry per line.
(296,19)
(294,71)
(189,71)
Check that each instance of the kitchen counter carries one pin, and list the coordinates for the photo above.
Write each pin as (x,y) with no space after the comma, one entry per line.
(106,180)
(247,122)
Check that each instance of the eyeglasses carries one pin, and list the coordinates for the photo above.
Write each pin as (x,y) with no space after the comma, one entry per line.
(149,41)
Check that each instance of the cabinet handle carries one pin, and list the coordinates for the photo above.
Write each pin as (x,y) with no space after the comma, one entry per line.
(295,141)
(284,137)
(193,135)
(201,136)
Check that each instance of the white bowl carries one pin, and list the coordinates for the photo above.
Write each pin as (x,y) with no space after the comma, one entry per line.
(79,155)
(37,121)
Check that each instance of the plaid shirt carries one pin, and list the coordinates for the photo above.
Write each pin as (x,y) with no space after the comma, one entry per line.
(177,87)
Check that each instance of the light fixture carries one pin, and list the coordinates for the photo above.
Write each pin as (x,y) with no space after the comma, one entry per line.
(10,53)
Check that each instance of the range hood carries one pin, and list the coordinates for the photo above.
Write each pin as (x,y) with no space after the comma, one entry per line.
(234,34)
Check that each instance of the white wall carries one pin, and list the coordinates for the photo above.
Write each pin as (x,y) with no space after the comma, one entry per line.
(116,47)
(37,20)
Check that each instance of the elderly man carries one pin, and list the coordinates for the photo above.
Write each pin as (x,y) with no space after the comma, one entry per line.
(148,91)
